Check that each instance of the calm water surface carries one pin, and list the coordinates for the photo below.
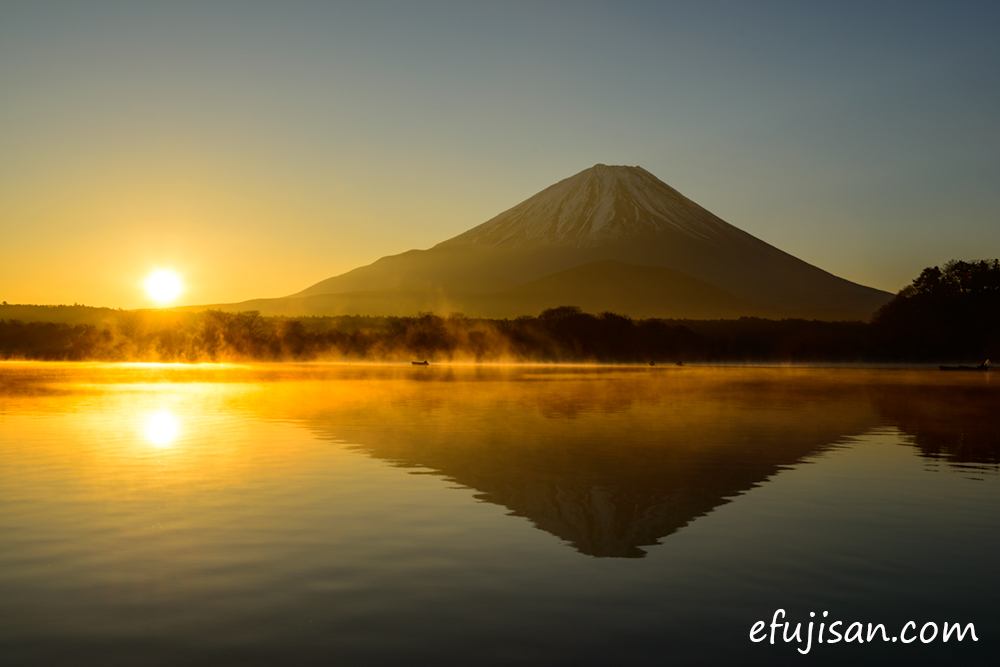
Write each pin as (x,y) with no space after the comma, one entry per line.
(384,515)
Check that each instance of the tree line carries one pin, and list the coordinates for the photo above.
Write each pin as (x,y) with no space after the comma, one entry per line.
(946,314)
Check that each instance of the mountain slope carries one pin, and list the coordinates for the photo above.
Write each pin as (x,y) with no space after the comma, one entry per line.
(608,285)
(639,291)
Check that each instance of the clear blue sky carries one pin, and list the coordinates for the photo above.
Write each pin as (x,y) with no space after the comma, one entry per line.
(257,148)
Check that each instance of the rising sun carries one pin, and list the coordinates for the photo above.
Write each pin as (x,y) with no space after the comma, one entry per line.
(163,286)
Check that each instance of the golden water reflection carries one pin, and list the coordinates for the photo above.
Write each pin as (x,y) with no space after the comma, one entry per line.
(161,428)
(609,460)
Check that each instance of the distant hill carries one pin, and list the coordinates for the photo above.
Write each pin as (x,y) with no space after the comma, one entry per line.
(668,258)
(61,314)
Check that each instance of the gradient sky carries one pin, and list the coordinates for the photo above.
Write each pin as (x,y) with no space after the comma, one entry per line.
(258,148)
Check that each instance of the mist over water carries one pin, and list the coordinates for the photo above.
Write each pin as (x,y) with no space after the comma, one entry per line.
(394,514)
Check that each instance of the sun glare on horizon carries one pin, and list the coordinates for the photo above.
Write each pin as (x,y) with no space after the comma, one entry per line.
(163,286)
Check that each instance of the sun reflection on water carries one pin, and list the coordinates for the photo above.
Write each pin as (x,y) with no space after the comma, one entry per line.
(161,428)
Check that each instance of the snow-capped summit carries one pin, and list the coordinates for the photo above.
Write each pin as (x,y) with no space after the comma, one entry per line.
(598,205)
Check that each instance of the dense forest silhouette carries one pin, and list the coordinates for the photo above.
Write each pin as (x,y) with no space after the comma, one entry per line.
(945,314)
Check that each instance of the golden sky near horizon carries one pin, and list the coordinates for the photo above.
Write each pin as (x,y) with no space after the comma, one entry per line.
(257,150)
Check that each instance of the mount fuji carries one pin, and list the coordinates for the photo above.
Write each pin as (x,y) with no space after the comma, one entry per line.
(610,238)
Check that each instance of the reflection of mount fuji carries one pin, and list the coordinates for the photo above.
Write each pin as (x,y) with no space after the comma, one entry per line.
(607,461)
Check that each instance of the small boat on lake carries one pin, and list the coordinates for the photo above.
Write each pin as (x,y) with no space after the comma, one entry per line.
(421,363)
(982,367)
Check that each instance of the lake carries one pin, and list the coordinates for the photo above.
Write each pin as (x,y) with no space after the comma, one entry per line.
(495,515)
